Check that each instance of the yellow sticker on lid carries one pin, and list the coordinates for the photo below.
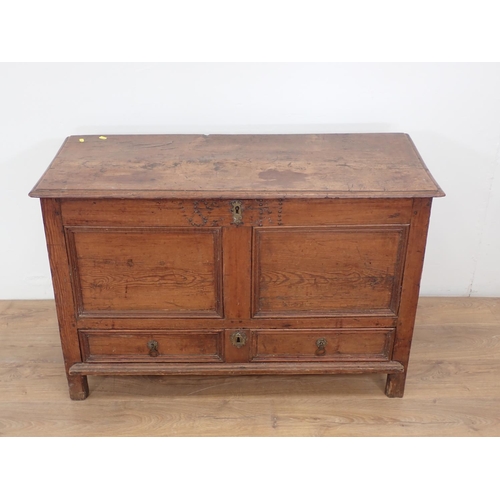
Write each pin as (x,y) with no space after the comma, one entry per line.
(102,137)
(81,140)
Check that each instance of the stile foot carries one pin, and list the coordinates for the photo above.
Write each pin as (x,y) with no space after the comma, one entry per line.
(78,387)
(395,386)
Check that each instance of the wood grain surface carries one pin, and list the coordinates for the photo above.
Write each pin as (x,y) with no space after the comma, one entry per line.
(170,345)
(319,271)
(452,388)
(139,271)
(246,166)
(410,293)
(63,292)
(217,213)
(341,345)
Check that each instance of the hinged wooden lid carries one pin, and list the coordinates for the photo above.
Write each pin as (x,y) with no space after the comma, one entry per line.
(238,166)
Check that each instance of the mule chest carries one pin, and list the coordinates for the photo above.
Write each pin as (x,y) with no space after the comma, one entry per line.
(236,254)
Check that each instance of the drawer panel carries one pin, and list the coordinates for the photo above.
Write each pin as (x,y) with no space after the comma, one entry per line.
(327,271)
(152,346)
(367,344)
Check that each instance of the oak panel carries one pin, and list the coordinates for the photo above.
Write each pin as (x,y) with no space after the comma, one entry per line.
(300,345)
(324,271)
(146,271)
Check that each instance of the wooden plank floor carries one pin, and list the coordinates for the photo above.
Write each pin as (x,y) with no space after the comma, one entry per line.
(453,387)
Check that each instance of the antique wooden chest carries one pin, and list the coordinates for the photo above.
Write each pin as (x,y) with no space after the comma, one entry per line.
(236,254)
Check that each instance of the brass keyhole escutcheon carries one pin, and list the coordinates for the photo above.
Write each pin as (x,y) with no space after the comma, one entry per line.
(237,211)
(238,339)
(321,347)
(153,348)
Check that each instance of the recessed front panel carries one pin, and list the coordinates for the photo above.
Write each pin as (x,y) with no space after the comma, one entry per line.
(146,271)
(327,271)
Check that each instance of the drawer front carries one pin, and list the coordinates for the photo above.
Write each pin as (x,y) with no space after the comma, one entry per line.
(152,346)
(327,271)
(367,344)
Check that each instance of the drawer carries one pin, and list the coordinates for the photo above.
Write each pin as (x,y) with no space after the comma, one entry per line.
(195,346)
(366,344)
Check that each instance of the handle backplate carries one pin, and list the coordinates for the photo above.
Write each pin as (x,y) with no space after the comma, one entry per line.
(321,346)
(153,348)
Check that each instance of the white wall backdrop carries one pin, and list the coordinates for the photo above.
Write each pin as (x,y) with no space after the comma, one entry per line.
(451,111)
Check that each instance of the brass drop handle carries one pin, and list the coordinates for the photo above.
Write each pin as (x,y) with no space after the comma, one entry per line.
(153,348)
(321,346)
